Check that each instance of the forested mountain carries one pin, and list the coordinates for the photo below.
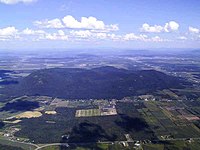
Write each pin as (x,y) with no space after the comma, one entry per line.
(103,82)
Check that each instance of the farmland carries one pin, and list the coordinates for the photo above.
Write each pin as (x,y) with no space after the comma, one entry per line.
(173,145)
(104,120)
(29,114)
(88,113)
(14,145)
(166,125)
(102,111)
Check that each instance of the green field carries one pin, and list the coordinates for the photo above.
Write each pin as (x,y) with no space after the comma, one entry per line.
(173,145)
(88,113)
(6,147)
(163,123)
(16,144)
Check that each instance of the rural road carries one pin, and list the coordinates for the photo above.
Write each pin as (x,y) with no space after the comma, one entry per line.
(53,144)
(105,142)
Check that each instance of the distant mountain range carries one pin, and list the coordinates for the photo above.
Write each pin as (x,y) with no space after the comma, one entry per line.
(103,82)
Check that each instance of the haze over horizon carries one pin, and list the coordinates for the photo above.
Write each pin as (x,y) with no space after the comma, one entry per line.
(65,24)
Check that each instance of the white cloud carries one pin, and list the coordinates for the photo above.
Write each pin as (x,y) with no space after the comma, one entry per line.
(28,31)
(11,33)
(142,37)
(37,35)
(85,23)
(194,30)
(32,35)
(156,39)
(10,2)
(81,33)
(114,37)
(132,36)
(90,35)
(69,21)
(171,26)
(8,33)
(147,28)
(60,35)
(102,36)
(168,27)
(182,38)
(55,23)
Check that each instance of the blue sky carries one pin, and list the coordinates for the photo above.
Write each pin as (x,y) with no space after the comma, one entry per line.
(99,23)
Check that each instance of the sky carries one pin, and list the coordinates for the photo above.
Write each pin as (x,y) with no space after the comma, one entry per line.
(136,24)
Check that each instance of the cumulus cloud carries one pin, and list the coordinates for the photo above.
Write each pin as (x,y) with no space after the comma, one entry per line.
(28,31)
(10,2)
(147,28)
(87,34)
(55,23)
(81,33)
(86,23)
(60,35)
(142,37)
(168,27)
(194,30)
(33,35)
(90,35)
(132,36)
(8,33)
(70,22)
(171,26)
(27,34)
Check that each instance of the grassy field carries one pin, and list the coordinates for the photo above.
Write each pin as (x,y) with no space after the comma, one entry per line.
(50,112)
(51,148)
(153,147)
(16,144)
(29,114)
(173,145)
(13,122)
(88,113)
(6,147)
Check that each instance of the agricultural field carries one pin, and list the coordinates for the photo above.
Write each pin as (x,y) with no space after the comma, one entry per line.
(88,113)
(167,123)
(14,145)
(173,145)
(50,112)
(96,112)
(6,147)
(29,114)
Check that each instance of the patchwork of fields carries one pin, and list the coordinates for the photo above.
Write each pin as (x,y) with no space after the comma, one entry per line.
(103,120)
(96,112)
(167,125)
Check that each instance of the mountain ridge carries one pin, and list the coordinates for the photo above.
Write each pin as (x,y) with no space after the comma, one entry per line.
(103,82)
